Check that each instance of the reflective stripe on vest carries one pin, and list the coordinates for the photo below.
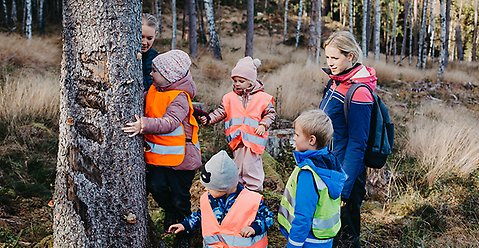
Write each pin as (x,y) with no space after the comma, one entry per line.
(167,149)
(326,218)
(241,122)
(241,214)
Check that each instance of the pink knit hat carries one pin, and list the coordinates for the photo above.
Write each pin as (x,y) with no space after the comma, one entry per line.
(172,65)
(246,68)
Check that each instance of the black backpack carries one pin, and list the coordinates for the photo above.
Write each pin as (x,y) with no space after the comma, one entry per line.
(381,133)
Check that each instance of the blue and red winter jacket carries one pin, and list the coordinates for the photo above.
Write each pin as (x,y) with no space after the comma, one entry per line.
(350,139)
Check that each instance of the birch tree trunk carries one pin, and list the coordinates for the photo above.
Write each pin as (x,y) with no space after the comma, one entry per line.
(41,19)
(443,38)
(432,29)
(364,31)
(249,28)
(351,20)
(298,26)
(28,19)
(214,39)
(314,45)
(377,29)
(285,21)
(100,198)
(460,50)
(192,37)
(421,63)
(174,25)
(405,28)
(448,25)
(474,36)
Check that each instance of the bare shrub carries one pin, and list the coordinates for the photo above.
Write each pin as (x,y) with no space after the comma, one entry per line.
(444,140)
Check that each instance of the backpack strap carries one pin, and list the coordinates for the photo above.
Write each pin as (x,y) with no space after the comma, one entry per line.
(349,97)
(328,86)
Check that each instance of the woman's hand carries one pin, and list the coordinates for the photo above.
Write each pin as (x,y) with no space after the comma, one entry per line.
(247,232)
(260,130)
(133,128)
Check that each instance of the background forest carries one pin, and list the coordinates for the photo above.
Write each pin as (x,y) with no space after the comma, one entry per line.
(424,53)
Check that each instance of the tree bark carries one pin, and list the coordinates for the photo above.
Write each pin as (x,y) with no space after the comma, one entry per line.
(298,26)
(421,57)
(174,25)
(285,21)
(394,38)
(474,36)
(448,25)
(364,46)
(432,29)
(4,13)
(314,44)
(377,29)
(28,19)
(157,12)
(443,38)
(202,23)
(41,18)
(249,28)
(460,50)
(192,37)
(351,11)
(13,17)
(214,39)
(100,198)
(405,28)
(411,31)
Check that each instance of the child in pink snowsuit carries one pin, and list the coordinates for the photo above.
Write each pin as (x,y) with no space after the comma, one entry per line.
(247,112)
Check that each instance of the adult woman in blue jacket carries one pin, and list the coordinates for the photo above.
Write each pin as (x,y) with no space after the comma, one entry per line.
(343,57)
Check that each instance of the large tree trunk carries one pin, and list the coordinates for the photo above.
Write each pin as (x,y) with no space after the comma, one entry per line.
(364,39)
(174,25)
(460,50)
(214,39)
(405,28)
(249,28)
(300,19)
(377,29)
(432,29)
(314,45)
(351,11)
(193,39)
(443,38)
(285,21)
(421,56)
(28,19)
(100,198)
(474,37)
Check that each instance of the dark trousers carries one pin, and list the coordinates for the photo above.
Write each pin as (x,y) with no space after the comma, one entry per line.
(171,190)
(348,235)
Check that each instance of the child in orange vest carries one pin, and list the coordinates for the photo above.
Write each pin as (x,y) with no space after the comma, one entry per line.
(247,112)
(230,215)
(171,136)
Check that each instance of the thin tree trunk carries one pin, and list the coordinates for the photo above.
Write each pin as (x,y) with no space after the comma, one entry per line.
(405,28)
(249,28)
(411,30)
(193,39)
(4,13)
(351,10)
(474,37)
(394,30)
(28,19)
(298,26)
(214,39)
(364,46)
(432,29)
(443,38)
(173,24)
(368,26)
(157,12)
(100,198)
(13,17)
(202,23)
(421,63)
(460,50)
(315,32)
(377,29)
(448,25)
(41,18)
(285,21)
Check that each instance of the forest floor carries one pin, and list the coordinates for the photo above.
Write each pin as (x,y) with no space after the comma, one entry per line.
(409,203)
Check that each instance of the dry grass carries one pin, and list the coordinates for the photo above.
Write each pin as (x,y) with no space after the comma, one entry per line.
(37,53)
(29,95)
(444,140)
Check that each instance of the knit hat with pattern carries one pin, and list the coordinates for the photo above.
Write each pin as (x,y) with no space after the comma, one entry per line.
(246,68)
(172,65)
(220,172)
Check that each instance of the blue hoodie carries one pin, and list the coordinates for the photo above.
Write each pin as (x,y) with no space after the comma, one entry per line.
(328,167)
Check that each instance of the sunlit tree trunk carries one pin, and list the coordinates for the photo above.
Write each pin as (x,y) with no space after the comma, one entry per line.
(460,50)
(364,46)
(28,19)
(214,39)
(474,37)
(100,198)
(432,29)
(249,28)
(314,45)
(443,38)
(192,37)
(405,28)
(298,26)
(174,26)
(421,56)
(285,21)
(377,29)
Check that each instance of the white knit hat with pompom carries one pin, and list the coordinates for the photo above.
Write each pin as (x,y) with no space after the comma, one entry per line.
(246,68)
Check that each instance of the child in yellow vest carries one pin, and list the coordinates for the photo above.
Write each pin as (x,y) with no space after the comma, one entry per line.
(310,207)
(247,112)
(171,136)
(230,215)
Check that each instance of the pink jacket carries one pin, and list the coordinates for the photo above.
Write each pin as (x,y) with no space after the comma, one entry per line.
(269,113)
(176,113)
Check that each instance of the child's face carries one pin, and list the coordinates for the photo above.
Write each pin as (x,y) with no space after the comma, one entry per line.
(240,83)
(302,141)
(148,35)
(158,79)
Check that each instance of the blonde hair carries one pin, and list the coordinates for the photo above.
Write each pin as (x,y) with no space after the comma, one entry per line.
(149,20)
(316,122)
(345,42)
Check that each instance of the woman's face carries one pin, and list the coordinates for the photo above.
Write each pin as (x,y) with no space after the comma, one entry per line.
(337,61)
(148,35)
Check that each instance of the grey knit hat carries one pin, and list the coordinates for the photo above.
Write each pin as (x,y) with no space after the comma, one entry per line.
(220,172)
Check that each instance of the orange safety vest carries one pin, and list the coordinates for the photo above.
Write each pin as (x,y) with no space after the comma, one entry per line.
(240,123)
(167,149)
(241,214)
